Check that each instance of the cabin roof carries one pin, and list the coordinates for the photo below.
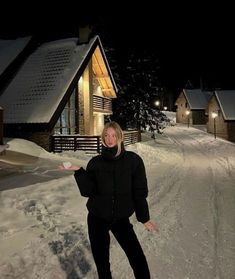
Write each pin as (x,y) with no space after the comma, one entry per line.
(196,98)
(41,83)
(226,100)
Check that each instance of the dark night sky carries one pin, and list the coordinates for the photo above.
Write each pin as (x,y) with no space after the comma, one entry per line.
(190,43)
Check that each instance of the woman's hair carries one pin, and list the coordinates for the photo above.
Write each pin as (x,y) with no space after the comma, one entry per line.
(119,135)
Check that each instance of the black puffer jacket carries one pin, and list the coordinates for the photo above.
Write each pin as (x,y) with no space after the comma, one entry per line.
(116,186)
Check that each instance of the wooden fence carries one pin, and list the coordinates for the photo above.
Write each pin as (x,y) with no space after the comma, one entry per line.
(87,143)
(68,142)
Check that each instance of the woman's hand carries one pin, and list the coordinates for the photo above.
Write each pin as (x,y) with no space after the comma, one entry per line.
(68,166)
(151,226)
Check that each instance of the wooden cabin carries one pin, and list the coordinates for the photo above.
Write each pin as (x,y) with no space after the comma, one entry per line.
(191,106)
(221,114)
(60,94)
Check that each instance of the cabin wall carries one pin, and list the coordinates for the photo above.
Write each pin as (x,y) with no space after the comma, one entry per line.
(85,102)
(198,117)
(231,130)
(182,107)
(98,123)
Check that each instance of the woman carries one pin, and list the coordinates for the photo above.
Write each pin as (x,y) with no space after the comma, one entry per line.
(116,186)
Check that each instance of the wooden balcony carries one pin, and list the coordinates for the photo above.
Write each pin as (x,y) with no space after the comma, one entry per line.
(102,104)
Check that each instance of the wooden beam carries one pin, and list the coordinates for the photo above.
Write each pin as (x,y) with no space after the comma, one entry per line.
(102,76)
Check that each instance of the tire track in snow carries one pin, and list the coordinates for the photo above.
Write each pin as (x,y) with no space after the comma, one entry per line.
(195,159)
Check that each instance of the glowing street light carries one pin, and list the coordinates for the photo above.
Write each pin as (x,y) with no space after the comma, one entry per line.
(165,108)
(214,115)
(157,103)
(187,113)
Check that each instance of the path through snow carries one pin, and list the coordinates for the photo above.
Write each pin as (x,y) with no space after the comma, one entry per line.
(191,196)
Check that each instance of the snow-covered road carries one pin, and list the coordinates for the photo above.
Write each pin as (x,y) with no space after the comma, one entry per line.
(191,196)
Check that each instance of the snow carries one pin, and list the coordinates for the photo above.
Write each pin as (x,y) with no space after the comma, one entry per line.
(191,178)
(36,91)
(226,99)
(42,82)
(197,98)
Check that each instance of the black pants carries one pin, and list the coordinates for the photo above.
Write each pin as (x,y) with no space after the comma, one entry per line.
(98,230)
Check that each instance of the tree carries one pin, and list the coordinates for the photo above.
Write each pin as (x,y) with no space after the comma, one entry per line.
(136,73)
(136,76)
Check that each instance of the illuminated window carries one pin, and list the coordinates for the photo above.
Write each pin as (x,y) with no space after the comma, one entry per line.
(66,123)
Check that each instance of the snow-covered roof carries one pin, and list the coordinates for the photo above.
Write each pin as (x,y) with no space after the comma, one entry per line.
(10,49)
(226,100)
(35,93)
(196,98)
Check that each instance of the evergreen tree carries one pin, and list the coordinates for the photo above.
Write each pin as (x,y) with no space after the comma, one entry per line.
(136,76)
(136,73)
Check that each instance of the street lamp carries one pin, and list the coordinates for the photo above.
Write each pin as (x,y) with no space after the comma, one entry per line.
(214,115)
(157,103)
(187,113)
(165,108)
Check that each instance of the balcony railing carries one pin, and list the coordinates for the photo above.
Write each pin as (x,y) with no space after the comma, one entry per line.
(102,104)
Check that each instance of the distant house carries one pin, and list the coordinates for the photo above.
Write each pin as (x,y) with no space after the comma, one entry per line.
(222,104)
(191,106)
(62,89)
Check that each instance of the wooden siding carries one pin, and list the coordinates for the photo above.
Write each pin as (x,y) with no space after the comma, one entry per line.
(102,104)
(198,117)
(182,107)
(231,131)
(224,129)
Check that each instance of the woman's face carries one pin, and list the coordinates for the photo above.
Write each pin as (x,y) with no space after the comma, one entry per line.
(110,137)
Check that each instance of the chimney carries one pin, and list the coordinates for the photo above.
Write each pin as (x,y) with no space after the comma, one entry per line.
(84,34)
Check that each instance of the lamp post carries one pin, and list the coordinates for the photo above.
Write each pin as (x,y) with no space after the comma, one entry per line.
(214,115)
(187,113)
